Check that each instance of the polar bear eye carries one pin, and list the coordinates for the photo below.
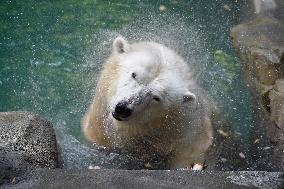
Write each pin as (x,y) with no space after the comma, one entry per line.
(133,75)
(156,98)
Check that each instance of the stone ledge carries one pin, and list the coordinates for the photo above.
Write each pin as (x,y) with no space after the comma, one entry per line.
(109,178)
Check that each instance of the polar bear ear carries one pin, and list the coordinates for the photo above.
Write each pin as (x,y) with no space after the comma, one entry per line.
(120,45)
(189,97)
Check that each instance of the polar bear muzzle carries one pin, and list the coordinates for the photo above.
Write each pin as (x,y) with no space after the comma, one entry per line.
(121,111)
(137,102)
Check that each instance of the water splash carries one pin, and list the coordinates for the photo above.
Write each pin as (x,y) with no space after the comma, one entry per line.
(49,77)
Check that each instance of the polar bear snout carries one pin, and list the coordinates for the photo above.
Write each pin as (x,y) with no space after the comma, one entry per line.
(121,111)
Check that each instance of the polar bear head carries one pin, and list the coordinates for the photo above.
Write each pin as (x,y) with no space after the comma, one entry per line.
(151,78)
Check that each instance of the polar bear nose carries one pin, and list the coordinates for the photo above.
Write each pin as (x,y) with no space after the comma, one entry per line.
(121,111)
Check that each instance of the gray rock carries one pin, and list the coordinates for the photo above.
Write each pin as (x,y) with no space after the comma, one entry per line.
(273,8)
(279,11)
(276,97)
(260,45)
(27,141)
(109,178)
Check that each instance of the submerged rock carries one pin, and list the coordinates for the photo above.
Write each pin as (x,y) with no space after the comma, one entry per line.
(223,155)
(27,141)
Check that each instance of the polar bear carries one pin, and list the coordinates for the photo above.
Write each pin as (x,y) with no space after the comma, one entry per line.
(147,102)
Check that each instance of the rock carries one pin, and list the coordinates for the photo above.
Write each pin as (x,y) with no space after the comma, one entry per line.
(27,141)
(276,96)
(110,178)
(12,167)
(274,8)
(279,11)
(264,6)
(260,46)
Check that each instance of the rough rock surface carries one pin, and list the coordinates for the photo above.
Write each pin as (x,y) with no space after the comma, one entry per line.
(26,141)
(273,8)
(64,178)
(260,46)
(276,97)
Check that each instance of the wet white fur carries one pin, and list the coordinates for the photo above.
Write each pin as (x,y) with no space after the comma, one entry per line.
(158,70)
(178,125)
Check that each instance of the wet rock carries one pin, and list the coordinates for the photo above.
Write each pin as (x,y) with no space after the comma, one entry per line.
(276,96)
(264,6)
(11,167)
(279,11)
(260,46)
(273,8)
(27,141)
(109,178)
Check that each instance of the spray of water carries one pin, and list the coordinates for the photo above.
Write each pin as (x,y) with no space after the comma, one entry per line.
(170,29)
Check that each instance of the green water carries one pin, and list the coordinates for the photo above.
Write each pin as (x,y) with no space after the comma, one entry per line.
(51,52)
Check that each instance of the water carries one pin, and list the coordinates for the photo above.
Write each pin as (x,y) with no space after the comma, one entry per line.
(51,53)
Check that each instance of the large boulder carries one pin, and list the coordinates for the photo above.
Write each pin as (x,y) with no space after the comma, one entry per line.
(27,141)
(260,46)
